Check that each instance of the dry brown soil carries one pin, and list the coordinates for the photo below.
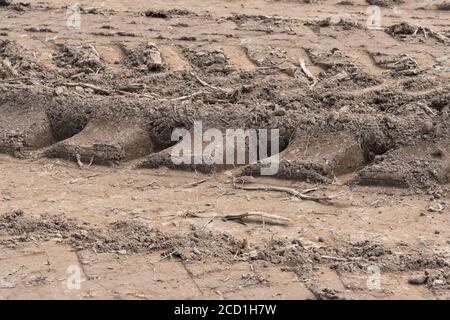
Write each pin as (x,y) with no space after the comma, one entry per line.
(86,179)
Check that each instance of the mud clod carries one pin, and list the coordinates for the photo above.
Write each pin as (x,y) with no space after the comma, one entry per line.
(15,62)
(211,61)
(418,280)
(81,57)
(165,14)
(385,3)
(145,57)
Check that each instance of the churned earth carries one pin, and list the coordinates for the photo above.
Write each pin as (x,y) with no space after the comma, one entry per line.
(90,96)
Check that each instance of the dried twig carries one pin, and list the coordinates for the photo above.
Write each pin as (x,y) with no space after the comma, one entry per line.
(78,158)
(307,73)
(195,183)
(295,193)
(152,96)
(427,31)
(314,188)
(334,258)
(91,161)
(83,178)
(169,255)
(86,85)
(205,84)
(262,215)
(209,221)
(183,97)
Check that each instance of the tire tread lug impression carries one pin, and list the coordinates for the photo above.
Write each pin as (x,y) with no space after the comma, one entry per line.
(404,167)
(318,157)
(105,142)
(23,129)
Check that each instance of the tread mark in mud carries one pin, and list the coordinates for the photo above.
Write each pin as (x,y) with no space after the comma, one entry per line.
(24,131)
(173,58)
(104,143)
(318,158)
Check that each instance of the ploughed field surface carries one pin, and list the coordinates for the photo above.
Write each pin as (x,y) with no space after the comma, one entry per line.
(358,209)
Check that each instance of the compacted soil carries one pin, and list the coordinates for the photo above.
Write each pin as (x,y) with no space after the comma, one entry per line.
(89,98)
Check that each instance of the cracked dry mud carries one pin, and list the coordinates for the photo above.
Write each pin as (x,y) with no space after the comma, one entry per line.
(85,139)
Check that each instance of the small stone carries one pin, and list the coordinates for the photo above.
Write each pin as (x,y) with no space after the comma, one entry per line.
(427,126)
(436,207)
(418,280)
(59,91)
(279,112)
(79,89)
(122,252)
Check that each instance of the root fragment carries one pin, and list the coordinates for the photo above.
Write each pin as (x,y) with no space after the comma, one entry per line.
(262,215)
(205,84)
(242,218)
(293,192)
(307,73)
(195,183)
(87,85)
(78,158)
